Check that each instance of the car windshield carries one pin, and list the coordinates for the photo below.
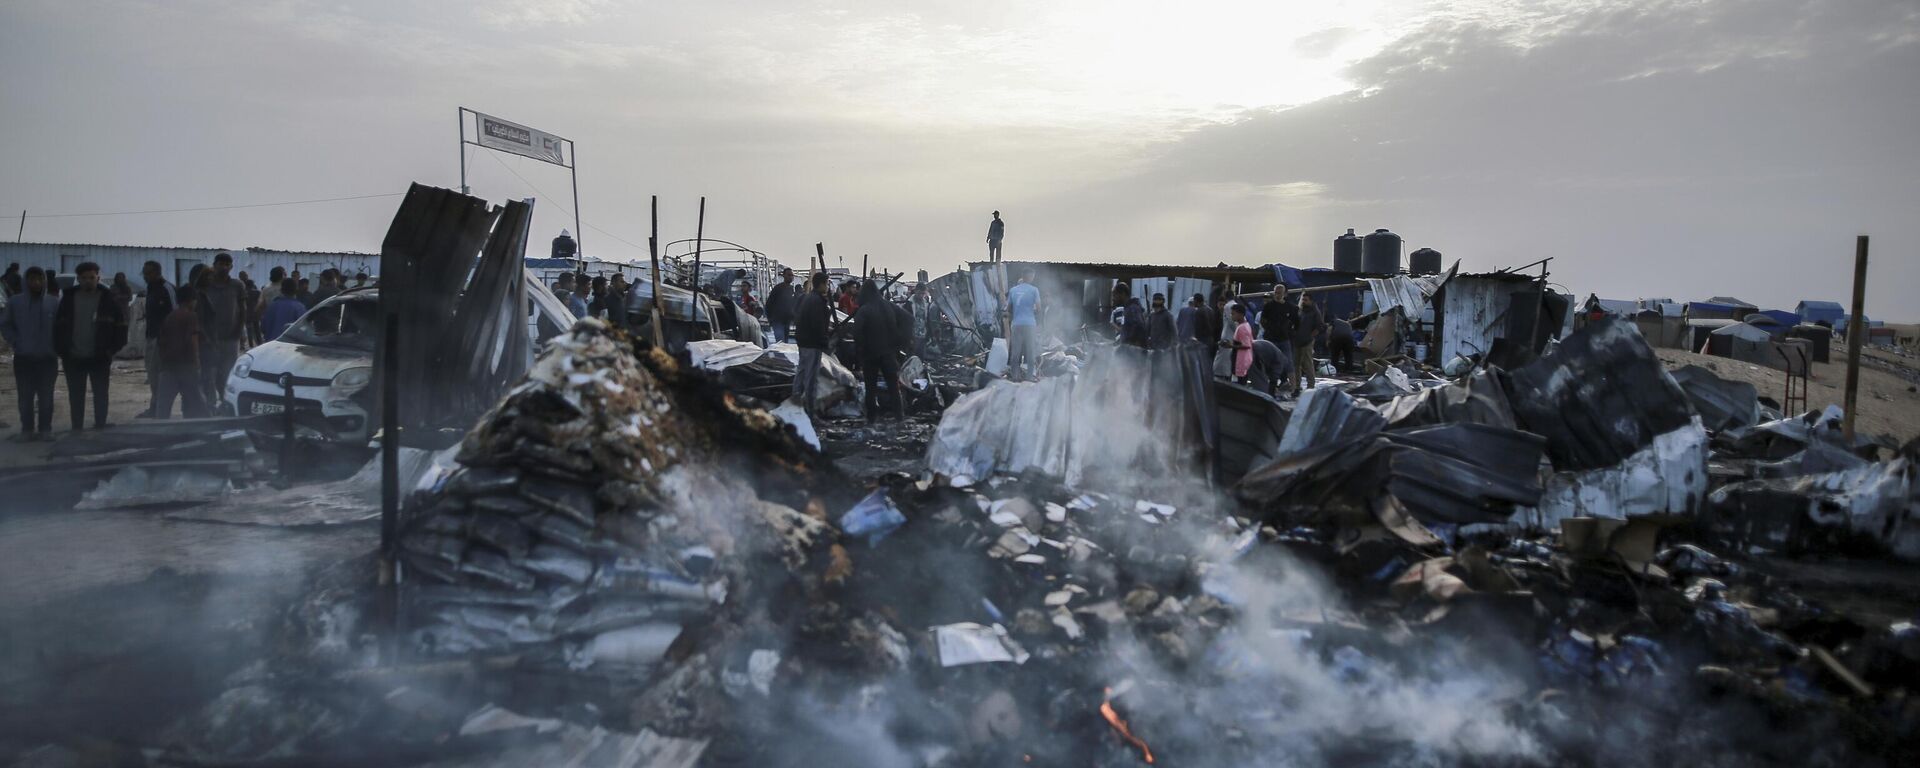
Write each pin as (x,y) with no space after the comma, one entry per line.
(337,324)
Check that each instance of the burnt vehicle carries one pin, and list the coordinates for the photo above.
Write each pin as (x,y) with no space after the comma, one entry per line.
(688,316)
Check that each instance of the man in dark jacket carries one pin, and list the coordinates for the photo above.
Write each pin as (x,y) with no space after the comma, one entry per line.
(11,280)
(1340,343)
(780,306)
(178,360)
(89,327)
(27,324)
(810,335)
(160,301)
(1278,318)
(1309,327)
(1160,327)
(875,343)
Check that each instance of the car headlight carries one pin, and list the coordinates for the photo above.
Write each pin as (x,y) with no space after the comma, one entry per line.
(243,366)
(352,378)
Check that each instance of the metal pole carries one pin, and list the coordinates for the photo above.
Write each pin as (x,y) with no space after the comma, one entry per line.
(1856,333)
(462,146)
(659,291)
(579,235)
(699,239)
(23,226)
(389,438)
(286,430)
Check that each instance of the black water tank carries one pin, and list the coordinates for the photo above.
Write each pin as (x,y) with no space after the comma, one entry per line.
(1346,252)
(1381,255)
(1425,261)
(564,247)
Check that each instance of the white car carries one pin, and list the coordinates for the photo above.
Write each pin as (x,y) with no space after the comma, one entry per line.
(328,358)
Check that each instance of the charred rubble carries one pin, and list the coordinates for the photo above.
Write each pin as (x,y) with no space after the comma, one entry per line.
(625,564)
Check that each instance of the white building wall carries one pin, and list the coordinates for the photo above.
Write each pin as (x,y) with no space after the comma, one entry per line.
(61,258)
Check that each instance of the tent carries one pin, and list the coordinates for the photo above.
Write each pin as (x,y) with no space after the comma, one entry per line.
(1818,311)
(1741,341)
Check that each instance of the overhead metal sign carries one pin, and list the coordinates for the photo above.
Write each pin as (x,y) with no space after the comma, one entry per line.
(508,136)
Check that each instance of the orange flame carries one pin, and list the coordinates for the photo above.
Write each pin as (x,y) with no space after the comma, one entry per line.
(1120,727)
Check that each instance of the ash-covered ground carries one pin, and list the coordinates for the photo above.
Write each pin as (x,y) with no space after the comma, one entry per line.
(624,564)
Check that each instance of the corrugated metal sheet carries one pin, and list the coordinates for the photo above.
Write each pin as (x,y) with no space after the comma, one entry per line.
(1473,314)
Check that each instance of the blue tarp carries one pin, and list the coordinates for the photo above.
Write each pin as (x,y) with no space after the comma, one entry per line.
(1707,309)
(1285,275)
(1816,311)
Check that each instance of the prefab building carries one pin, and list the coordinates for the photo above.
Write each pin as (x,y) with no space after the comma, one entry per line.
(175,263)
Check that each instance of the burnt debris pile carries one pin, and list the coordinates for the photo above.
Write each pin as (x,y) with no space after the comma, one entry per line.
(626,563)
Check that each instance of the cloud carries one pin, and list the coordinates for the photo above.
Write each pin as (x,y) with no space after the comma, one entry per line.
(1654,148)
(519,14)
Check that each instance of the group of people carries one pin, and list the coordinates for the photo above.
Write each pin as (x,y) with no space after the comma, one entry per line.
(1259,349)
(601,296)
(194,333)
(1276,351)
(878,334)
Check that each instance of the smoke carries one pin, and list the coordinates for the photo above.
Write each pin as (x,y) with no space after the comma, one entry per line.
(1295,679)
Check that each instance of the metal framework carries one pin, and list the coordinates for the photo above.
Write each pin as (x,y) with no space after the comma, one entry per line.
(573,175)
(762,272)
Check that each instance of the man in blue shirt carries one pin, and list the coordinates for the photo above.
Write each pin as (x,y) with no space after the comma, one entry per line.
(283,312)
(1023,302)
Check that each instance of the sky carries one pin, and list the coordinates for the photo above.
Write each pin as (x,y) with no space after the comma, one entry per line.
(1652,149)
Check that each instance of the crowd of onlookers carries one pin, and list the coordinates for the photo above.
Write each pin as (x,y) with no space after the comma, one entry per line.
(192,333)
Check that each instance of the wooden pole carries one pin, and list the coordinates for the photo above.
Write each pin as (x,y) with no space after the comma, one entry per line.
(23,226)
(820,250)
(1856,333)
(659,291)
(864,274)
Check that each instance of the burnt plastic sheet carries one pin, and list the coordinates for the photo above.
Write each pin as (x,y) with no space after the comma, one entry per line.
(1722,404)
(1480,398)
(1599,398)
(1386,385)
(1449,474)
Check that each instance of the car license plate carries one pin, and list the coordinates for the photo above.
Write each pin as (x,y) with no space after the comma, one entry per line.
(261,409)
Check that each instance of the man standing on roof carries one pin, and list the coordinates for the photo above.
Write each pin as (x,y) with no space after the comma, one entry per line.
(810,334)
(780,305)
(996,231)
